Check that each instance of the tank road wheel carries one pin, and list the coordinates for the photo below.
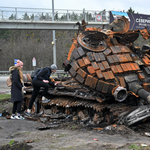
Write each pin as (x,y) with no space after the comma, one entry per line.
(93,41)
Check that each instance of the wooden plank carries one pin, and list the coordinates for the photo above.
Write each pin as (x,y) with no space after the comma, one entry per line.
(128,66)
(147,59)
(133,67)
(110,59)
(80,51)
(102,56)
(106,65)
(107,52)
(120,58)
(88,80)
(79,78)
(105,75)
(72,72)
(99,74)
(146,63)
(124,68)
(114,50)
(82,73)
(147,55)
(90,56)
(125,49)
(81,63)
(99,85)
(136,66)
(86,61)
(75,54)
(124,58)
(101,66)
(96,56)
(115,58)
(122,81)
(114,69)
(95,66)
(91,70)
(93,83)
(129,57)
(119,69)
(105,87)
(74,65)
(111,75)
(118,49)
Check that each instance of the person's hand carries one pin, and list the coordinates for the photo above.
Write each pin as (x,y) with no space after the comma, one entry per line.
(23,91)
(45,81)
(56,83)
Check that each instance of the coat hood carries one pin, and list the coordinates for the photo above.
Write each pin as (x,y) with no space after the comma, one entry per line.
(12,68)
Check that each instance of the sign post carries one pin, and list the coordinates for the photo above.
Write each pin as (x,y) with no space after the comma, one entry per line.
(98,17)
(34,62)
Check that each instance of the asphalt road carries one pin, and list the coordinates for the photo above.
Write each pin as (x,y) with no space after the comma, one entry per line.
(3,86)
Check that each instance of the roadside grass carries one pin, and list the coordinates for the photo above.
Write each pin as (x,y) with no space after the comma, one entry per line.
(4,96)
(11,142)
(138,147)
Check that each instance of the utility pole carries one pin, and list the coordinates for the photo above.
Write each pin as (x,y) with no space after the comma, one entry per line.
(54,41)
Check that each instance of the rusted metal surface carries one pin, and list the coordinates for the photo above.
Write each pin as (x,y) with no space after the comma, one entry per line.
(89,42)
(109,75)
(111,56)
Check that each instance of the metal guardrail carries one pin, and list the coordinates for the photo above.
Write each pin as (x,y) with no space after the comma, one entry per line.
(7,72)
(29,72)
(40,14)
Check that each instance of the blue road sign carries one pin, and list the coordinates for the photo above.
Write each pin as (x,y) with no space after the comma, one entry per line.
(15,62)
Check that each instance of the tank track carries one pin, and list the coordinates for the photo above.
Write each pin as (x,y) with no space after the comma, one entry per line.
(72,96)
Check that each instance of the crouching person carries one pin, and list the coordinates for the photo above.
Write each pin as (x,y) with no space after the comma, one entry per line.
(42,79)
(16,89)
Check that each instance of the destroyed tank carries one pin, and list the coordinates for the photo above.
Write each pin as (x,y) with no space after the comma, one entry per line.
(108,63)
(109,76)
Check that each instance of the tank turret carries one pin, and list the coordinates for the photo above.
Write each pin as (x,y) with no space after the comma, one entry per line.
(107,62)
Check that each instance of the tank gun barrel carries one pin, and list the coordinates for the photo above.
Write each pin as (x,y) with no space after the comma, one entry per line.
(134,86)
(120,94)
(144,95)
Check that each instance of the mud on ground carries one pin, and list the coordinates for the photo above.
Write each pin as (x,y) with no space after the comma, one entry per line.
(25,134)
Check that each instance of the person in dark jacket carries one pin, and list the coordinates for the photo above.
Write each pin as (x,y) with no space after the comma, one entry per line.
(42,79)
(16,89)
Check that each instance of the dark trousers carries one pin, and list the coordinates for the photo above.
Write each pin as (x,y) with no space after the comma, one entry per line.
(36,87)
(17,107)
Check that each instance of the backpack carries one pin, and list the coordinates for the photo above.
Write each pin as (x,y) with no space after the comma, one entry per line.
(9,81)
(35,72)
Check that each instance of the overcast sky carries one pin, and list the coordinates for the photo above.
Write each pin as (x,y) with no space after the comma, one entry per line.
(140,6)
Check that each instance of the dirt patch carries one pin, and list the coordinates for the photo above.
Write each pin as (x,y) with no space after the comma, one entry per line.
(16,146)
(6,105)
(70,135)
